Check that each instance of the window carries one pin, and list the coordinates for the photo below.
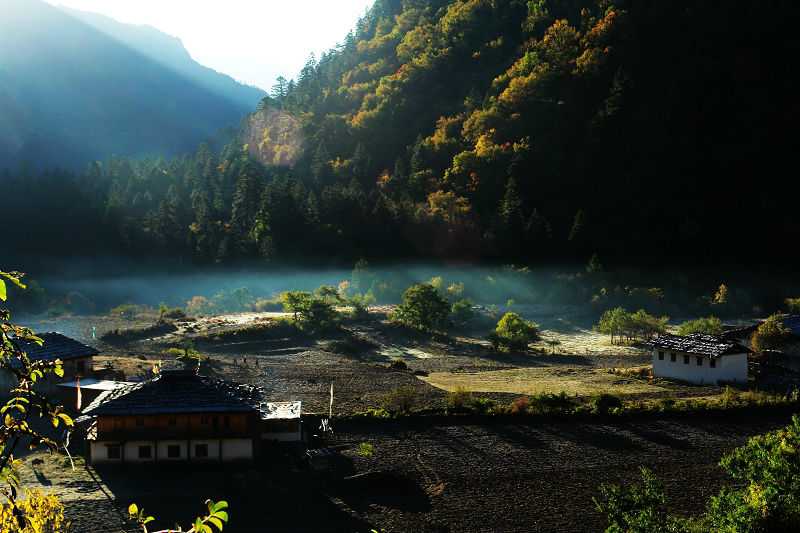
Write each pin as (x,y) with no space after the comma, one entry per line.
(712,363)
(215,421)
(80,367)
(699,361)
(685,359)
(114,451)
(660,356)
(145,452)
(672,357)
(201,450)
(173,451)
(140,422)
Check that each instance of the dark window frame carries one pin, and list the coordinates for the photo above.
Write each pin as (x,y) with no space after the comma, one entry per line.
(173,451)
(660,356)
(699,360)
(686,359)
(114,451)
(145,452)
(673,357)
(198,447)
(712,363)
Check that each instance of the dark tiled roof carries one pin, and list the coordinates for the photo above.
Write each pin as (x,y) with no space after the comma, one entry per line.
(177,392)
(56,346)
(699,344)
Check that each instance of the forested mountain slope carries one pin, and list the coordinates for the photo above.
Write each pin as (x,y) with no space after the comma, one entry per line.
(70,93)
(538,131)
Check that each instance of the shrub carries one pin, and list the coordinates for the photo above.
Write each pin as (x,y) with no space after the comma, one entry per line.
(793,305)
(484,405)
(398,364)
(38,512)
(520,406)
(401,400)
(127,311)
(461,312)
(514,333)
(423,308)
(199,305)
(636,509)
(365,449)
(604,403)
(549,403)
(264,305)
(770,334)
(459,399)
(710,326)
(360,304)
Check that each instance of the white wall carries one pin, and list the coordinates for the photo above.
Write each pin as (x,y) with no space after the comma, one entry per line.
(232,450)
(98,453)
(729,368)
(237,449)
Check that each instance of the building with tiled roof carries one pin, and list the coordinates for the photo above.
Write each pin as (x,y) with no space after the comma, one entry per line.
(182,416)
(699,358)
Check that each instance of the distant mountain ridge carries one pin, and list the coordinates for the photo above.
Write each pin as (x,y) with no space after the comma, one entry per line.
(76,87)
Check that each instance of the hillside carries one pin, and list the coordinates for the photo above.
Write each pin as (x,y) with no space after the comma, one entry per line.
(70,93)
(528,132)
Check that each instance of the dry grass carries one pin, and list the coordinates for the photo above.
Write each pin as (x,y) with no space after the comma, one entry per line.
(573,381)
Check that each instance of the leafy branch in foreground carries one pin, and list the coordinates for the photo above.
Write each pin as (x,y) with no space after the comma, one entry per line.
(16,416)
(217,517)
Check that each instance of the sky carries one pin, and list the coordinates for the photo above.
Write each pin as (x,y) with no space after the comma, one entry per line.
(254,41)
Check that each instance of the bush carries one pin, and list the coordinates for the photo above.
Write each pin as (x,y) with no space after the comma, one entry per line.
(459,399)
(770,334)
(264,305)
(423,308)
(709,326)
(401,400)
(461,312)
(514,333)
(41,512)
(793,305)
(398,364)
(365,449)
(549,403)
(127,311)
(520,405)
(604,403)
(199,305)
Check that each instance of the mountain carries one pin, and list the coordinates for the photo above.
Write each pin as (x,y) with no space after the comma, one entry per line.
(170,52)
(76,87)
(525,132)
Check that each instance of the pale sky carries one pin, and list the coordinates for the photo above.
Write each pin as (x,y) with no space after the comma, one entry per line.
(254,41)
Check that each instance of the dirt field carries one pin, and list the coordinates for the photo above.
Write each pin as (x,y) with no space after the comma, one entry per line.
(424,478)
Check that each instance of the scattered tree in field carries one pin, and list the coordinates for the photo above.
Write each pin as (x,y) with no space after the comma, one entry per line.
(312,311)
(513,332)
(622,325)
(710,326)
(461,312)
(721,296)
(770,334)
(553,344)
(423,308)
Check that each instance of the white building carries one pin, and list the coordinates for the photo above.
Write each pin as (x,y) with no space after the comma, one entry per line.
(700,359)
(281,422)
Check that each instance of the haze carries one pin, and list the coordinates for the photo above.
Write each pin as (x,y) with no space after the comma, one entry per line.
(253,41)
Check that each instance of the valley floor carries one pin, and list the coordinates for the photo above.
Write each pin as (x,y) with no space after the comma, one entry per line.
(428,478)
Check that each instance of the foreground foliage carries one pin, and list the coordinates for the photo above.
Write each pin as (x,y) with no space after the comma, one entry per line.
(764,498)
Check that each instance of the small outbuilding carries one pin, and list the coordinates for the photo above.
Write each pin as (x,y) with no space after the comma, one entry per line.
(699,358)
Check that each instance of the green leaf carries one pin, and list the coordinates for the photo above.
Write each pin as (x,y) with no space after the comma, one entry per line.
(219,506)
(59,371)
(3,294)
(222,515)
(216,521)
(148,520)
(133,509)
